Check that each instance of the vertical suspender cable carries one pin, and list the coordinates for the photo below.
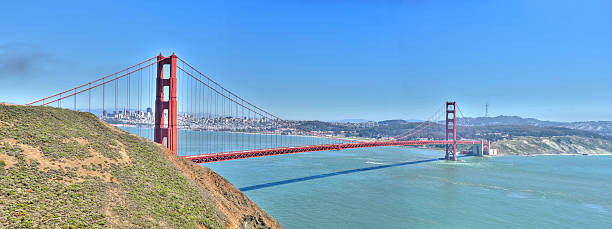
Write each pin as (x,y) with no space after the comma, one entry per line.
(103,95)
(126,109)
(150,68)
(115,113)
(89,103)
(243,127)
(223,124)
(248,128)
(140,112)
(180,85)
(217,120)
(209,120)
(229,125)
(200,116)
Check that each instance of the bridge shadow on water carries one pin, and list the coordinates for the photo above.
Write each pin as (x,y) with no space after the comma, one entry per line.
(289,181)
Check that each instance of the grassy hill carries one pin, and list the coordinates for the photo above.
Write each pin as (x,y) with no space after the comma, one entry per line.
(529,145)
(66,169)
(600,127)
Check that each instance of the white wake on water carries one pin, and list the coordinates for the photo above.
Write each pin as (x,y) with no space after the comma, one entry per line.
(375,163)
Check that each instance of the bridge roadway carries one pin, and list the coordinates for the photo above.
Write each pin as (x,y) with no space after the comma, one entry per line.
(213,157)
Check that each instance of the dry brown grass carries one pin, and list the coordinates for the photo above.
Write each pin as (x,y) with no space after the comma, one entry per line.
(8,160)
(45,164)
(115,199)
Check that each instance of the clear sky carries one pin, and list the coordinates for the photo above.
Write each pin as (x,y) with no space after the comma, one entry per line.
(334,59)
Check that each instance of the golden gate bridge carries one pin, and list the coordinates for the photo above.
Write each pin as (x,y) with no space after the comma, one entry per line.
(228,127)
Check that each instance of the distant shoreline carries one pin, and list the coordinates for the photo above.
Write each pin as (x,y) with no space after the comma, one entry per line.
(261,133)
(560,154)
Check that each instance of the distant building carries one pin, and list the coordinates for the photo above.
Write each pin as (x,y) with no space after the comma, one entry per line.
(492,152)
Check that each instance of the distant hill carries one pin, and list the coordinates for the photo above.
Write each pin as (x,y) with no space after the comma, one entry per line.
(601,127)
(505,120)
(393,122)
(529,145)
(509,134)
(355,120)
(497,128)
(66,169)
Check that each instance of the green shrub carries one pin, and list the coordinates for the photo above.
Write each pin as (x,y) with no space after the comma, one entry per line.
(151,188)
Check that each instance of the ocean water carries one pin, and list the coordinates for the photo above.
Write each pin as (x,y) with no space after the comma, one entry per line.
(402,187)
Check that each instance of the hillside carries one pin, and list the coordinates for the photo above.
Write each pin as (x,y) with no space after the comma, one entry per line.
(490,131)
(66,169)
(511,135)
(600,127)
(527,145)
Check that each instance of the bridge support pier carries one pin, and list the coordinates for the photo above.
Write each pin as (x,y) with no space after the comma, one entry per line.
(451,131)
(162,132)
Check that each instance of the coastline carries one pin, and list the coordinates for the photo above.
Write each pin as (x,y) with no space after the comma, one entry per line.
(261,133)
(558,154)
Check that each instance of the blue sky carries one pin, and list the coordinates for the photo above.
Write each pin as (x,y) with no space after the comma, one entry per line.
(332,60)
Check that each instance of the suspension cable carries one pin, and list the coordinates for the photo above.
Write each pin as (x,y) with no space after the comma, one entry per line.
(89,83)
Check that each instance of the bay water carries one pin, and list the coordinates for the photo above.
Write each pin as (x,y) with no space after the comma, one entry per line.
(404,187)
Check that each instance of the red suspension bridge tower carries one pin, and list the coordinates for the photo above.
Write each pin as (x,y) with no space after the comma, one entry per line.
(451,130)
(165,110)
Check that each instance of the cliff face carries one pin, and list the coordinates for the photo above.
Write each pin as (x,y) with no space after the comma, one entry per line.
(553,145)
(239,210)
(60,168)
